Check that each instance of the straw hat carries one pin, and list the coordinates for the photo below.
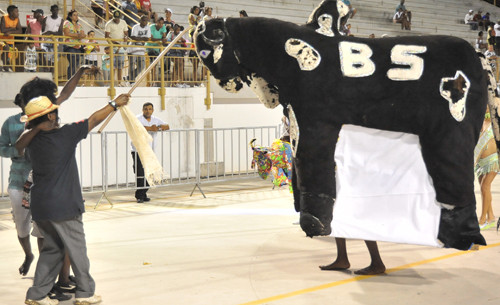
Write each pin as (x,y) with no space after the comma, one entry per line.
(38,107)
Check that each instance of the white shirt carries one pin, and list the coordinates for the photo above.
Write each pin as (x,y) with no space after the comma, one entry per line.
(52,25)
(497,30)
(153,121)
(138,31)
(116,30)
(468,18)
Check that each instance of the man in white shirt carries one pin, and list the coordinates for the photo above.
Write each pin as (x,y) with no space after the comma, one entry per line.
(53,25)
(140,32)
(469,19)
(152,125)
(117,30)
(497,36)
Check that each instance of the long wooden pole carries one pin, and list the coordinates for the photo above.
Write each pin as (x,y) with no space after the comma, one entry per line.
(145,73)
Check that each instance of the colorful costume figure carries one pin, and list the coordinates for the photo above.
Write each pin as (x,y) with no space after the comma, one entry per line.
(276,160)
(489,163)
(325,80)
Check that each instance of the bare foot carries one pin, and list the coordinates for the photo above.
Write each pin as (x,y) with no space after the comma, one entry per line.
(336,265)
(25,267)
(371,270)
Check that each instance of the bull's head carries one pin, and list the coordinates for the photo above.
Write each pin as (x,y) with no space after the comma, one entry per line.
(218,52)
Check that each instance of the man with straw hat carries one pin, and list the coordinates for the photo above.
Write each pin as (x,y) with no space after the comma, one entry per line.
(56,198)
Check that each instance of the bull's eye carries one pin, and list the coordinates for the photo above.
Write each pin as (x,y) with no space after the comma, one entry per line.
(205,53)
(294,42)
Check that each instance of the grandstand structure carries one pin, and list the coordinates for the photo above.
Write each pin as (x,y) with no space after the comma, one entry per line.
(430,17)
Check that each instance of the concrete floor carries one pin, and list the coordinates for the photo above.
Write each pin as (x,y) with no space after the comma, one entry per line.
(241,245)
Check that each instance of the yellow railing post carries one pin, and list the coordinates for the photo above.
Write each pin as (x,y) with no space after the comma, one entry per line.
(161,90)
(106,8)
(111,90)
(65,9)
(208,100)
(56,62)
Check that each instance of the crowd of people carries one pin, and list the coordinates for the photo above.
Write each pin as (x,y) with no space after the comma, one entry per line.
(132,23)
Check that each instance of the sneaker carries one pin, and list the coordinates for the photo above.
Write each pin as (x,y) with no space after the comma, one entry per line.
(140,200)
(44,301)
(95,299)
(65,288)
(146,199)
(55,294)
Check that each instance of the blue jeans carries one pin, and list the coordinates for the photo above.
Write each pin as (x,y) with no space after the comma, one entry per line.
(74,57)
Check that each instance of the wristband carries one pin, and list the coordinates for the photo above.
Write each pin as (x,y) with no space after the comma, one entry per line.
(113,104)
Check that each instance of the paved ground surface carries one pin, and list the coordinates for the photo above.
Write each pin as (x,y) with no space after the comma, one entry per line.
(241,245)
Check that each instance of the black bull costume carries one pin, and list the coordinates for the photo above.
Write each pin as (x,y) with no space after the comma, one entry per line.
(435,87)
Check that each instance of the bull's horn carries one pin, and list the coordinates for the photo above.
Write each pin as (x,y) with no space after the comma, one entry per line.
(214,42)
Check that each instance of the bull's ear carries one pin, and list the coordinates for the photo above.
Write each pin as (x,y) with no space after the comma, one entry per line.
(325,19)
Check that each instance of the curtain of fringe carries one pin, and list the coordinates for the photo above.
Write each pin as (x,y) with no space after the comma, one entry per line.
(141,139)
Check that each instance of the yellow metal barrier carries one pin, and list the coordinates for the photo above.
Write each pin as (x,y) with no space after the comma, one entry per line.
(119,68)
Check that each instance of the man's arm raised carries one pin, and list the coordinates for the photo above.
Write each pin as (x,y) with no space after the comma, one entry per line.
(100,115)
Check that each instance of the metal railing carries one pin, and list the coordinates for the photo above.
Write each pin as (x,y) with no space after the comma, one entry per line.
(188,157)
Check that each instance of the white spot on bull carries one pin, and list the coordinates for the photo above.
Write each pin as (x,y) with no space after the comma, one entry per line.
(457,108)
(230,85)
(267,96)
(325,22)
(294,130)
(205,53)
(218,53)
(307,57)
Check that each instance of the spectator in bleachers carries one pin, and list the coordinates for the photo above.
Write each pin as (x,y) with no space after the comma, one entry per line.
(35,25)
(9,24)
(486,21)
(73,47)
(207,13)
(31,56)
(479,19)
(117,30)
(98,9)
(469,19)
(91,49)
(141,33)
(178,55)
(53,26)
(491,35)
(480,44)
(169,23)
(491,56)
(146,6)
(106,63)
(403,7)
(243,13)
(158,35)
(193,19)
(401,17)
(130,13)
(350,14)
(497,36)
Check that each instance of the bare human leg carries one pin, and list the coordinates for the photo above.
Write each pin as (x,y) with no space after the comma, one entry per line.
(487,210)
(376,266)
(28,259)
(342,261)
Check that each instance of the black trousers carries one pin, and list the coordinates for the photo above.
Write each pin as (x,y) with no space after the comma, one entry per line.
(142,183)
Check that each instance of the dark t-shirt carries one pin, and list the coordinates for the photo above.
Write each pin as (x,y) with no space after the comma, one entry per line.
(56,192)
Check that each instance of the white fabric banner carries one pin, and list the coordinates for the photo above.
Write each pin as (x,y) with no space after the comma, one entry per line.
(384,192)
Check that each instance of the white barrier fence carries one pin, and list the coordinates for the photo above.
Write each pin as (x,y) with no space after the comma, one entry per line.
(188,156)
